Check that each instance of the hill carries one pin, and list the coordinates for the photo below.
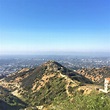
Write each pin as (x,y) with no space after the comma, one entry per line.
(96,75)
(52,86)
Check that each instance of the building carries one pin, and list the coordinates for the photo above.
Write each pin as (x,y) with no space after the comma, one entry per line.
(106,85)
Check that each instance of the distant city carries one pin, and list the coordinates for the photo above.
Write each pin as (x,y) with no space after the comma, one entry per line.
(11,64)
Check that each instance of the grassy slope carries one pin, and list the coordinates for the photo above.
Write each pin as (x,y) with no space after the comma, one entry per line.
(93,101)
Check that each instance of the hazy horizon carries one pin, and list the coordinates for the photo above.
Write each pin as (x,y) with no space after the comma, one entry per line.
(55,27)
(74,54)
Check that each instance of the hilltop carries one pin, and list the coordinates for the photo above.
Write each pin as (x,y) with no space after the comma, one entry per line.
(48,85)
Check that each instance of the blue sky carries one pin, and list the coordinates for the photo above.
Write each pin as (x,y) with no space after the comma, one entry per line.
(54,26)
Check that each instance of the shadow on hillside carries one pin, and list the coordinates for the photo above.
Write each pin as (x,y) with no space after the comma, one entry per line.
(5,106)
(80,78)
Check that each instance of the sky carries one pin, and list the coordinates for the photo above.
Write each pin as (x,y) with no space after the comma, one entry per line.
(54,26)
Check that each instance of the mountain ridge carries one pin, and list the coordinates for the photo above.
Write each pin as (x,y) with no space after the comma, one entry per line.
(41,86)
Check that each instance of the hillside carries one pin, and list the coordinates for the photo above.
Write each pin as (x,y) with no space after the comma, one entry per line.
(96,75)
(49,85)
(9,101)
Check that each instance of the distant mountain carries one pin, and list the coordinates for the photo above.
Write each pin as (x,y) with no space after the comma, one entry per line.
(46,86)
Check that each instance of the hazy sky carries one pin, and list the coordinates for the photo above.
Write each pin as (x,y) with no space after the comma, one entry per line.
(33,26)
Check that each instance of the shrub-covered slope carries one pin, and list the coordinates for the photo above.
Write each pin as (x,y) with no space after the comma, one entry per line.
(51,86)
